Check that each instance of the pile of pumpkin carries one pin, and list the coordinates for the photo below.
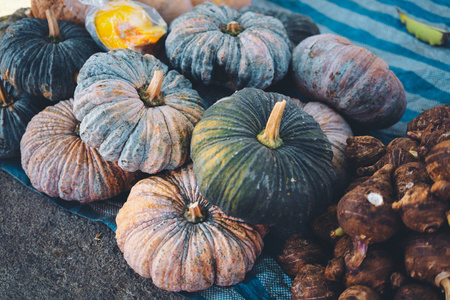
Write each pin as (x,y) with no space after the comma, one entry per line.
(389,231)
(206,183)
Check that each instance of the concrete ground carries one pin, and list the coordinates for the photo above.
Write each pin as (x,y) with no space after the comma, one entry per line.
(49,253)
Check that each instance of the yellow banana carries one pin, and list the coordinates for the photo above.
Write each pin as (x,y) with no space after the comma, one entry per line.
(429,34)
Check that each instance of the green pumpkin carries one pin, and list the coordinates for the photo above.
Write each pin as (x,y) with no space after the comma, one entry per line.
(16,110)
(43,59)
(284,183)
(19,14)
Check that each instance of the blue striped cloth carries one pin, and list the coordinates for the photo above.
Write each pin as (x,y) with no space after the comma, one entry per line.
(424,71)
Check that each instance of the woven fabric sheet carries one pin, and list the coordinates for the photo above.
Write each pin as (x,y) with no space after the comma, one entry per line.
(424,71)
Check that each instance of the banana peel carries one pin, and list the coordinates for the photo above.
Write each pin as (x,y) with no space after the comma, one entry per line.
(428,34)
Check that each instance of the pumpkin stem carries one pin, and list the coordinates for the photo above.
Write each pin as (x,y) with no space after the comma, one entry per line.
(151,95)
(233,28)
(4,99)
(76,130)
(270,136)
(53,27)
(194,213)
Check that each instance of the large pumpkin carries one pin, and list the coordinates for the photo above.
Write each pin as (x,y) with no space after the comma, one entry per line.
(171,234)
(359,85)
(16,110)
(42,62)
(135,111)
(260,178)
(217,44)
(60,164)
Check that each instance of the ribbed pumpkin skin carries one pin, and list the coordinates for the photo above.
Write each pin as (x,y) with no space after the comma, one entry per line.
(5,21)
(337,131)
(359,85)
(248,180)
(14,118)
(117,122)
(158,242)
(256,57)
(60,164)
(32,63)
(298,27)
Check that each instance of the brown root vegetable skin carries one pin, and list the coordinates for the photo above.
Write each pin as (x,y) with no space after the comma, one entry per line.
(416,292)
(427,257)
(365,213)
(398,280)
(363,151)
(310,284)
(335,269)
(431,136)
(324,225)
(435,115)
(408,175)
(438,168)
(297,252)
(420,210)
(359,292)
(374,272)
(398,152)
(62,12)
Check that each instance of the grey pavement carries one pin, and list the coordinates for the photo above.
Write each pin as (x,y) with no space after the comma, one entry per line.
(47,252)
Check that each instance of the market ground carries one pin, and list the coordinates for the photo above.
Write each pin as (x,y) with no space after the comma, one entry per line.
(49,253)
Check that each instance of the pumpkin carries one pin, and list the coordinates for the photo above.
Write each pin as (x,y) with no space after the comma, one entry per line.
(19,14)
(135,111)
(170,9)
(218,45)
(298,27)
(43,59)
(127,24)
(359,85)
(16,110)
(168,232)
(59,7)
(275,174)
(337,131)
(60,164)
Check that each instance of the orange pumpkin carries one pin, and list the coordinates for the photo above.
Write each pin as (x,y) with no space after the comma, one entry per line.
(168,232)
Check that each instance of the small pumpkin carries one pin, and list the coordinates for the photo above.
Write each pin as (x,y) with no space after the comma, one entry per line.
(358,84)
(135,111)
(219,45)
(60,164)
(59,7)
(279,173)
(17,15)
(16,110)
(42,57)
(168,232)
(298,27)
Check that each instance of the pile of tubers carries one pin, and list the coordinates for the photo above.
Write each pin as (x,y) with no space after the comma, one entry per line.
(389,231)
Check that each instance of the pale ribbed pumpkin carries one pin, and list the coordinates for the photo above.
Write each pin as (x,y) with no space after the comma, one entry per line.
(135,111)
(16,110)
(168,232)
(358,84)
(219,45)
(283,178)
(60,164)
